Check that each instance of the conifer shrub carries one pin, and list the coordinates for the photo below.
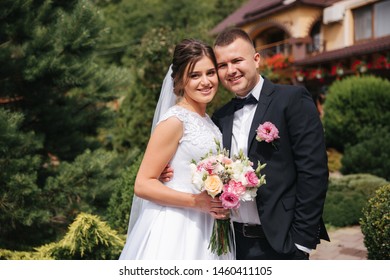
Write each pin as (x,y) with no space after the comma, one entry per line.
(88,238)
(21,203)
(334,160)
(85,185)
(352,104)
(375,225)
(21,255)
(346,197)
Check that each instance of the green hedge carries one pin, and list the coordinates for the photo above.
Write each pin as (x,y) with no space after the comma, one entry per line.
(370,155)
(346,197)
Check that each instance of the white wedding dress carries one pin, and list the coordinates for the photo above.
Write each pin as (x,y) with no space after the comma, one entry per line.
(172,233)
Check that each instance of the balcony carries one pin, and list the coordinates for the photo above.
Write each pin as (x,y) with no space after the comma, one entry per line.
(284,47)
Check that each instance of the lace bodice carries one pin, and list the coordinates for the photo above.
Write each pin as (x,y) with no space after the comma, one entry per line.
(198,139)
(198,130)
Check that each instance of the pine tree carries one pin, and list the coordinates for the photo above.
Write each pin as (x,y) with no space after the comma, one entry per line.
(51,78)
(20,203)
(50,71)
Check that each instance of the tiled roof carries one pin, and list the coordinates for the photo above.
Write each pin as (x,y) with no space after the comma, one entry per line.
(373,46)
(238,16)
(254,9)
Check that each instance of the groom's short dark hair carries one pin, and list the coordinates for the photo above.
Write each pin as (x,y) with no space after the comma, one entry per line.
(228,36)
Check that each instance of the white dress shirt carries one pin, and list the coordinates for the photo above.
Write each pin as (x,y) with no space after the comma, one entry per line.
(247,212)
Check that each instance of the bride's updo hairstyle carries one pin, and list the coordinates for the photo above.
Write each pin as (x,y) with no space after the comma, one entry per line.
(187,53)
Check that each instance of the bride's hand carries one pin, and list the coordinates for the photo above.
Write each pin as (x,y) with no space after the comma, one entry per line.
(205,203)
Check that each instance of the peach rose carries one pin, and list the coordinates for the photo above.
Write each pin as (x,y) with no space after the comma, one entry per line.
(213,185)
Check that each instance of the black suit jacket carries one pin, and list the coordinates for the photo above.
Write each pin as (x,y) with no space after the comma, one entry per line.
(290,204)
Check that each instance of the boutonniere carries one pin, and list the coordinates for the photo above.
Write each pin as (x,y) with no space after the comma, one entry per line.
(267,132)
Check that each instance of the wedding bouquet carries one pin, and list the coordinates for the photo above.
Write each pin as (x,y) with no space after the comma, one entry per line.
(232,180)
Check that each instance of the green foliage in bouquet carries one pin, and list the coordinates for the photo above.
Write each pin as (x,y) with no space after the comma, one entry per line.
(346,197)
(375,225)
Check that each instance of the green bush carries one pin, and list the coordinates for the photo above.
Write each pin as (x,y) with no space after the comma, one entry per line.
(352,104)
(346,197)
(375,225)
(118,211)
(370,155)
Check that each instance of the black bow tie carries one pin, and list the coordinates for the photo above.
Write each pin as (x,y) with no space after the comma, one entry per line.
(241,102)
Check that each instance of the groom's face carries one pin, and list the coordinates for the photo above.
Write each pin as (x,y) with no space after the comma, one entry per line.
(237,66)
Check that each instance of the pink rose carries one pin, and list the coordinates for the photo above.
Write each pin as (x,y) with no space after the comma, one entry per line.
(267,132)
(230,200)
(252,178)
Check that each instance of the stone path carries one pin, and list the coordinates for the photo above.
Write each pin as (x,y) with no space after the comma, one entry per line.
(346,244)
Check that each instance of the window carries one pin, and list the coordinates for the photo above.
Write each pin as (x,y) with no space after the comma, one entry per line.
(315,35)
(382,19)
(372,21)
(363,23)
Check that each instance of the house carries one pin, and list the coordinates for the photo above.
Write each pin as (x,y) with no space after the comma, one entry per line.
(314,42)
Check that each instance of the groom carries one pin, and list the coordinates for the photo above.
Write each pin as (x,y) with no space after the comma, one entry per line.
(285,221)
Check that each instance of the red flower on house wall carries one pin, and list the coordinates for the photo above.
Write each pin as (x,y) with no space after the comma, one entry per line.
(317,73)
(337,70)
(360,66)
(300,75)
(278,61)
(382,62)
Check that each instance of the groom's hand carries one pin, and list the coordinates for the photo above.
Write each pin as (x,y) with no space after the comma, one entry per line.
(213,206)
(217,210)
(167,174)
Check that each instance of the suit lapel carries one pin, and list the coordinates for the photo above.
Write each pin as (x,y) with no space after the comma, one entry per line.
(264,102)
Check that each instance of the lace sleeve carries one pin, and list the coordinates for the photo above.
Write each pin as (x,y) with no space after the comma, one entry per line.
(177,113)
(173,112)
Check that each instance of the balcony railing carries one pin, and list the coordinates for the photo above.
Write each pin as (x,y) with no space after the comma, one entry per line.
(268,50)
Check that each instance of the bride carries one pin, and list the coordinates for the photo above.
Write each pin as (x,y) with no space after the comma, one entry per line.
(174,220)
